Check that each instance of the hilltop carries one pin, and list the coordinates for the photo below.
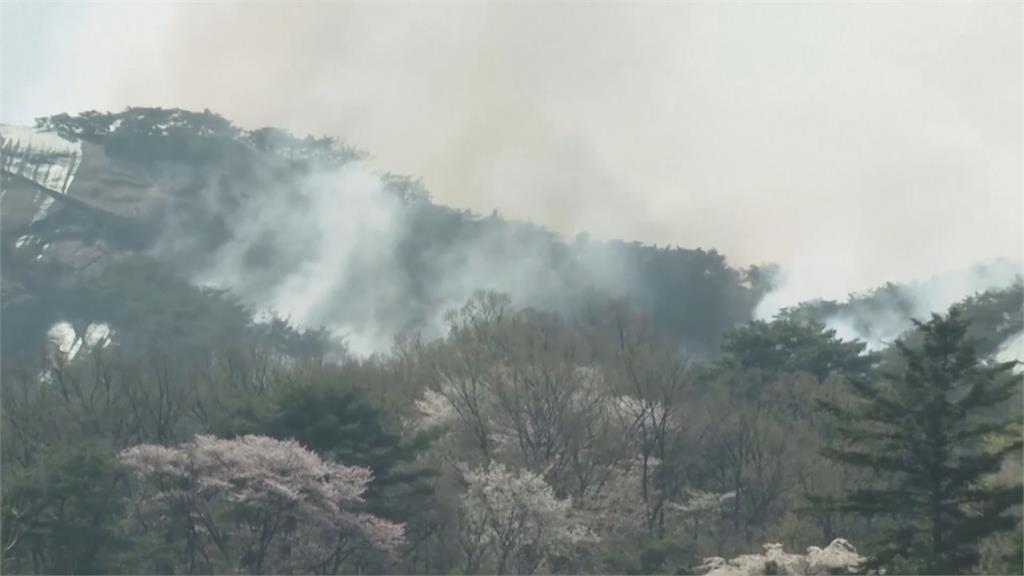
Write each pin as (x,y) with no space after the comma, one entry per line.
(303,228)
(181,218)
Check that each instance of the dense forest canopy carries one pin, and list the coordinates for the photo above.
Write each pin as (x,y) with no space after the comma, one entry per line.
(243,351)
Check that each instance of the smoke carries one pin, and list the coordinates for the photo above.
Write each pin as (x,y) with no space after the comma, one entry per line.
(339,248)
(878,318)
(295,251)
(871,142)
(1013,350)
(853,144)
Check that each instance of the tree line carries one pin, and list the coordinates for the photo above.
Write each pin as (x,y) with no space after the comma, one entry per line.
(522,441)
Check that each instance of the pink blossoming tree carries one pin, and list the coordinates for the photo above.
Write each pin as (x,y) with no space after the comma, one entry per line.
(255,505)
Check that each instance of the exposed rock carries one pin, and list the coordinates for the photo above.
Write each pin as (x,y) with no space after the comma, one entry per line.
(44,158)
(839,556)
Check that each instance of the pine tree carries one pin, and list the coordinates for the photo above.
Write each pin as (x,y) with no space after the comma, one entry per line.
(933,430)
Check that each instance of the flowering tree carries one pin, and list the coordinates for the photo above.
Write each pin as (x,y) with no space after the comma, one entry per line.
(255,504)
(434,410)
(520,386)
(512,521)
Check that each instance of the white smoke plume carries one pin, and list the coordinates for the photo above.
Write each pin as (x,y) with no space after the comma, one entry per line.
(340,229)
(338,248)
(887,134)
(886,319)
(1013,349)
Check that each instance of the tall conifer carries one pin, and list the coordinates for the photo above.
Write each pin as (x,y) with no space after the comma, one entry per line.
(934,429)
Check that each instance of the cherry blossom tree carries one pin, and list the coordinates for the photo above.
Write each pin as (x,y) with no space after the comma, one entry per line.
(512,521)
(256,504)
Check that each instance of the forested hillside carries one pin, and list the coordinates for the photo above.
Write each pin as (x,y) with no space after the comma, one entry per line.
(301,227)
(241,351)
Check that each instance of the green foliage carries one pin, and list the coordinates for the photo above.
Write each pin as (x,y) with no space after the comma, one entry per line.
(138,121)
(788,346)
(151,135)
(336,422)
(928,431)
(888,299)
(1015,557)
(599,405)
(155,307)
(152,308)
(994,316)
(648,557)
(658,557)
(693,296)
(663,557)
(324,151)
(61,515)
(199,138)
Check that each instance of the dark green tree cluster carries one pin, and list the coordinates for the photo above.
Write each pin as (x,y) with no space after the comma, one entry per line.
(934,430)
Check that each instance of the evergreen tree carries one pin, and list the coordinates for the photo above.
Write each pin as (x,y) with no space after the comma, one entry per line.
(791,345)
(934,432)
(339,424)
(61,514)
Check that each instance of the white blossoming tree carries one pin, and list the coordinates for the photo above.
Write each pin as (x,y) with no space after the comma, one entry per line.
(255,504)
(511,521)
(434,410)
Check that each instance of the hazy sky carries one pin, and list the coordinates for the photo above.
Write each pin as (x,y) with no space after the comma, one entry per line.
(854,143)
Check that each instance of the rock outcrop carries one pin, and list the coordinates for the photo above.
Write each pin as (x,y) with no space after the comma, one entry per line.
(838,557)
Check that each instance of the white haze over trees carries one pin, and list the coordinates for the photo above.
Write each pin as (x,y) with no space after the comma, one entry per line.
(851,143)
(332,248)
(342,246)
(341,228)
(866,158)
(341,234)
(878,326)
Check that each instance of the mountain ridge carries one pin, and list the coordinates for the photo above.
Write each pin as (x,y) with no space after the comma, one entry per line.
(302,229)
